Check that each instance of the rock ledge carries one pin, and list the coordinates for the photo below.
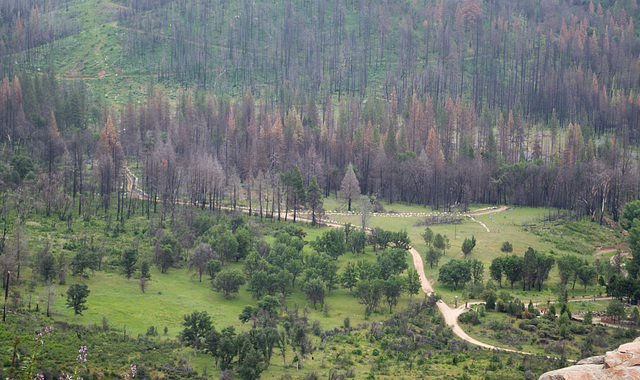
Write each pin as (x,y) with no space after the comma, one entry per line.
(623,363)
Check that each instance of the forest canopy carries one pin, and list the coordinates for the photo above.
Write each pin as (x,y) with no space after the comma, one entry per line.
(437,103)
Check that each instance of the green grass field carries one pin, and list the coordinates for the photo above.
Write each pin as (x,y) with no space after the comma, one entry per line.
(170,296)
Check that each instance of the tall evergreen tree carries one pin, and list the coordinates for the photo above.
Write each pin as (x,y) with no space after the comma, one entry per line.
(77,297)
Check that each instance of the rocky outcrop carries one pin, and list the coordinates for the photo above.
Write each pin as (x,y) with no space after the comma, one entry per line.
(623,363)
(592,360)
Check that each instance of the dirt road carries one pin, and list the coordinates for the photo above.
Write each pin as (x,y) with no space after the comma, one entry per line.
(485,212)
(493,211)
(450,314)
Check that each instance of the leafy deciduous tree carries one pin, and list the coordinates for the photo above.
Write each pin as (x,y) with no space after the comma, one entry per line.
(477,270)
(392,291)
(331,242)
(212,343)
(349,277)
(455,272)
(433,256)
(369,293)
(587,274)
(567,267)
(250,367)
(392,262)
(228,282)
(315,290)
(506,247)
(200,258)
(512,268)
(616,310)
(196,326)
(496,269)
(166,251)
(356,241)
(82,261)
(544,264)
(245,240)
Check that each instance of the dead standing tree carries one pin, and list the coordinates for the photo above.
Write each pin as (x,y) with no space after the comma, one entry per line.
(350,188)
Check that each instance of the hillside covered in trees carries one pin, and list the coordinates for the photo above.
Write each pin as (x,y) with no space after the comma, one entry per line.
(437,103)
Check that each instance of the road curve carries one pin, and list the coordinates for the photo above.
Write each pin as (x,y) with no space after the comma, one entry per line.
(450,314)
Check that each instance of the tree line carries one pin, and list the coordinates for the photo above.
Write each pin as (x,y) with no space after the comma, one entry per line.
(209,150)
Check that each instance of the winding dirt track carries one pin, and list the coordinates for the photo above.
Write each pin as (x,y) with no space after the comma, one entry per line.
(450,314)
